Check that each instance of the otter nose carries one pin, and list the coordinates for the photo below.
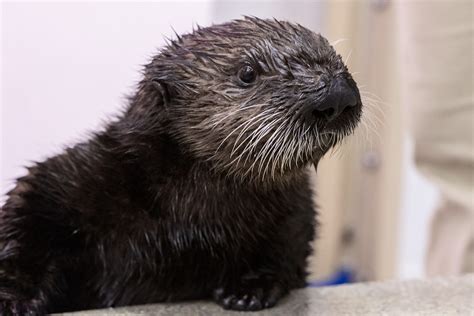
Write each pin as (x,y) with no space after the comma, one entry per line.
(340,96)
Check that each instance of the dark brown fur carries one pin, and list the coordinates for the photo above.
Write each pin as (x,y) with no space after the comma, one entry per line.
(189,194)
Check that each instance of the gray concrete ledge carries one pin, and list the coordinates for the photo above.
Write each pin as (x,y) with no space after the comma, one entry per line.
(449,296)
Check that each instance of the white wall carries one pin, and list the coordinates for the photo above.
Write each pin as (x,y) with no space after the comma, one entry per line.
(419,200)
(66,66)
(307,13)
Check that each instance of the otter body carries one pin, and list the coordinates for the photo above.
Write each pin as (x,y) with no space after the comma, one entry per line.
(198,190)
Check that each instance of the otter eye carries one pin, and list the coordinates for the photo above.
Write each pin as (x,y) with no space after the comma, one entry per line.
(247,74)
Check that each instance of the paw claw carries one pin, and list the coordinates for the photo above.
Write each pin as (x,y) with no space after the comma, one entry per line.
(255,304)
(229,301)
(241,303)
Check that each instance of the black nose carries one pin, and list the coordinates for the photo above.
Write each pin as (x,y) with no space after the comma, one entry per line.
(340,96)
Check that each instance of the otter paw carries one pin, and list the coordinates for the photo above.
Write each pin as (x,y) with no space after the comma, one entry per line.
(21,308)
(248,298)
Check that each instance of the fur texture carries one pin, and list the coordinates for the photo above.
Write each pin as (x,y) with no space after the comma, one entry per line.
(198,190)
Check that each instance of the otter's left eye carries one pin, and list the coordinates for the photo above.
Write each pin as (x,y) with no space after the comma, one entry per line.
(247,74)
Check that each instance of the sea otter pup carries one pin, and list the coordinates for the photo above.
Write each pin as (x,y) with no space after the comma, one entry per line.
(197,190)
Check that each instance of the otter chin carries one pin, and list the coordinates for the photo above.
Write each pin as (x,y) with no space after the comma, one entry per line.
(198,190)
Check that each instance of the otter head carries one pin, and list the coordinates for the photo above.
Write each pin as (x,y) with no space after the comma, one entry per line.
(255,98)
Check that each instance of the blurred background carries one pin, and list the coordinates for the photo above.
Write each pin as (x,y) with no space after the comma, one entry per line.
(395,202)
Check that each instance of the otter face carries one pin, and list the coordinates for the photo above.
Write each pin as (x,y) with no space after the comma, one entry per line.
(257,98)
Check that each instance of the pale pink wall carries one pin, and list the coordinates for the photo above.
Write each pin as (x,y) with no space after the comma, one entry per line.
(66,66)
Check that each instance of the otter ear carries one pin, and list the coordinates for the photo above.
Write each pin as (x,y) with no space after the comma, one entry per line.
(163,89)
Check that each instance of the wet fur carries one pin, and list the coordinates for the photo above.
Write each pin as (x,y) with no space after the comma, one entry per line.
(157,206)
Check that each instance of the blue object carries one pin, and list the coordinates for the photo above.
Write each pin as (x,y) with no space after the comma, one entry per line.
(342,276)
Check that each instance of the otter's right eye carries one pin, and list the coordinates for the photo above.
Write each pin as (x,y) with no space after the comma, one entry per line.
(247,74)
